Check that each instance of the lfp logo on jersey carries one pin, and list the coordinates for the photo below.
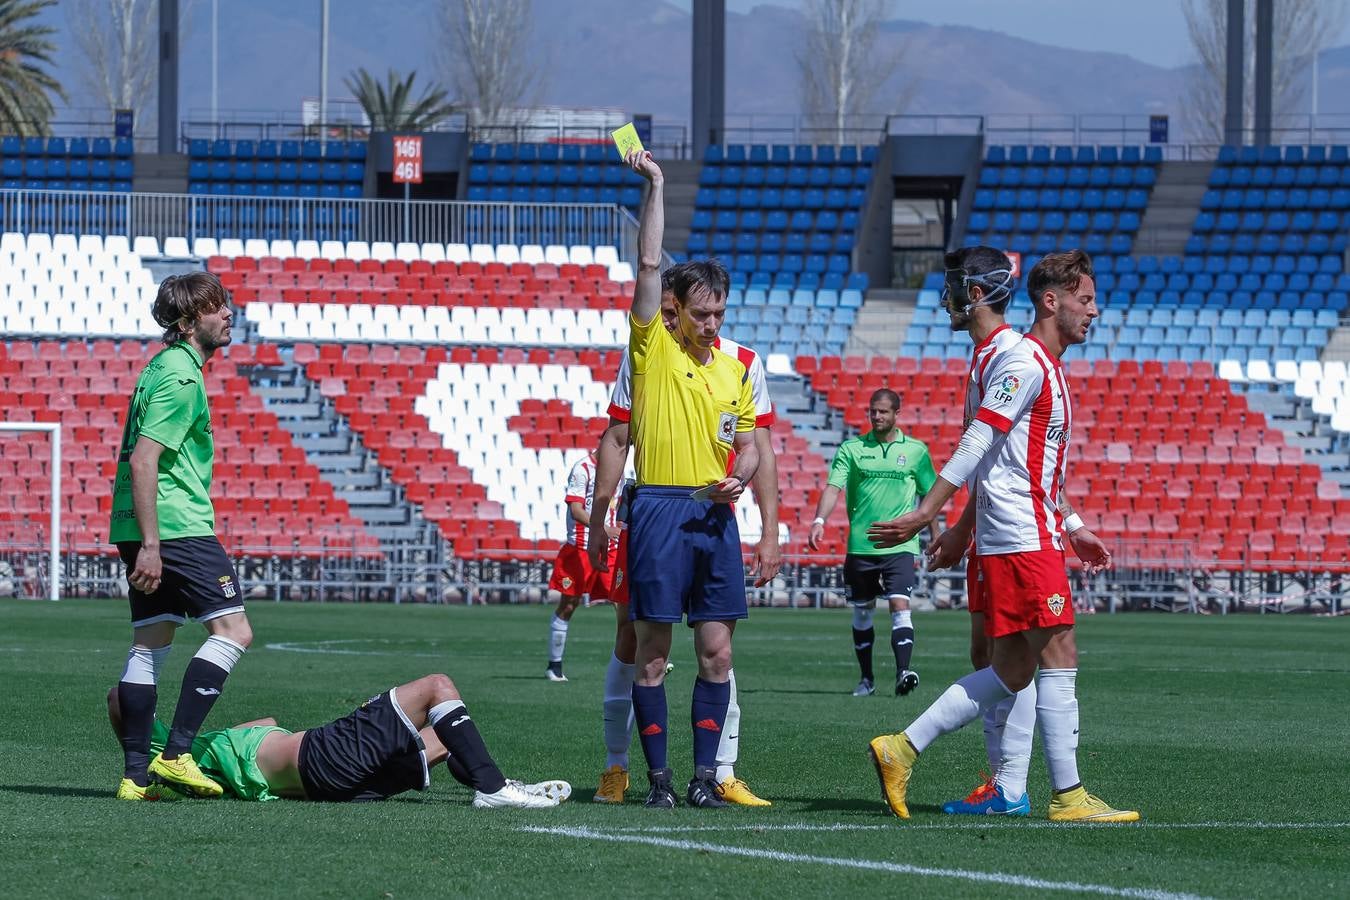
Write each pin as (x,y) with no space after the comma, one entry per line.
(1007,389)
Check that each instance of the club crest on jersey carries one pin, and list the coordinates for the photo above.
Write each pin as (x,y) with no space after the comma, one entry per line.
(1007,389)
(901,461)
(1056,603)
(227,586)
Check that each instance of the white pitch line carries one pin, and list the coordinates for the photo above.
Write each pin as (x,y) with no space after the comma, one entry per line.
(326,648)
(1002,879)
(972,822)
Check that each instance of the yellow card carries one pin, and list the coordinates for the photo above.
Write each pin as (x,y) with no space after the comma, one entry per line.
(627,140)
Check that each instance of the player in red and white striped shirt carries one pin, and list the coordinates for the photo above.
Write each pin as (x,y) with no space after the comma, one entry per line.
(573,575)
(767,561)
(1015,450)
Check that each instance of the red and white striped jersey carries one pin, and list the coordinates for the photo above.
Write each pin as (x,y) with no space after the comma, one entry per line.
(1018,484)
(981,359)
(581,489)
(621,398)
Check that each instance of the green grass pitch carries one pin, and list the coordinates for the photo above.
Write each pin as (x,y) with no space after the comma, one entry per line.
(1229,734)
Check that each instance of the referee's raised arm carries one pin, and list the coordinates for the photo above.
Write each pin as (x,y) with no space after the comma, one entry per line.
(651,230)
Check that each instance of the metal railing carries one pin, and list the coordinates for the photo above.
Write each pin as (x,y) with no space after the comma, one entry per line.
(420,221)
(1166,576)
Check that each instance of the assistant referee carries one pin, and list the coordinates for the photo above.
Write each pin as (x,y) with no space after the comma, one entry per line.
(692,406)
(882,474)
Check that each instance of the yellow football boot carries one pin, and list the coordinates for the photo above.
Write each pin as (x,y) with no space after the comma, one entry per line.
(182,774)
(733,790)
(1078,805)
(894,759)
(613,783)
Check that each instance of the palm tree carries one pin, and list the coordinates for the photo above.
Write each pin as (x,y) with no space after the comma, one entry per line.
(26,85)
(390,106)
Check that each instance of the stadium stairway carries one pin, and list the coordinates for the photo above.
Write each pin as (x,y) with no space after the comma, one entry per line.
(1172,207)
(681,193)
(882,322)
(337,452)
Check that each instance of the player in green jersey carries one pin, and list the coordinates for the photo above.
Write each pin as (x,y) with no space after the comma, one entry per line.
(882,473)
(381,749)
(163,524)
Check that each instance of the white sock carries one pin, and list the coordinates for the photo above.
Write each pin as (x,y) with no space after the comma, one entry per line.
(729,745)
(143,664)
(443,709)
(1019,713)
(1057,712)
(618,711)
(958,705)
(557,639)
(221,651)
(993,736)
(901,619)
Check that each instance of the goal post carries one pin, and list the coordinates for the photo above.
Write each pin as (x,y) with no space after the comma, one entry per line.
(54,564)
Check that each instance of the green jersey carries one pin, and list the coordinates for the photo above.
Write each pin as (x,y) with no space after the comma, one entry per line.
(228,757)
(169,407)
(880,482)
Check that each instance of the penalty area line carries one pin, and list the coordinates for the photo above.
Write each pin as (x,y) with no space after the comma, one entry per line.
(1002,879)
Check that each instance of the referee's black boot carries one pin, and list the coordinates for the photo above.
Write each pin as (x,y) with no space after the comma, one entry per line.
(703,789)
(661,795)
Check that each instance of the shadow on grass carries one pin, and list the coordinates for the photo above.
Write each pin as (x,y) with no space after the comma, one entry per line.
(873,808)
(49,791)
(817,691)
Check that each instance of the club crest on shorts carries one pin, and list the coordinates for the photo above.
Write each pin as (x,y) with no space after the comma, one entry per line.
(618,577)
(567,581)
(227,587)
(1056,603)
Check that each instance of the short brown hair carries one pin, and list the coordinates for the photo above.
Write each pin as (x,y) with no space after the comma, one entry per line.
(885,394)
(1059,271)
(183,299)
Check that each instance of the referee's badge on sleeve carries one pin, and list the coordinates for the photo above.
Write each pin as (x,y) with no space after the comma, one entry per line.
(726,428)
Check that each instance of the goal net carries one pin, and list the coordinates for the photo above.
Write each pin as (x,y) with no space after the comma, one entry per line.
(31,500)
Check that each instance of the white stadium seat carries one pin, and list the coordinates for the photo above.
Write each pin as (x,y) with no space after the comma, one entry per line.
(507,253)
(555,255)
(358,250)
(433,253)
(1258,370)
(307,249)
(532,254)
(1286,370)
(606,256)
(382,251)
(332,250)
(482,253)
(580,255)
(407,252)
(202,247)
(621,272)
(39,243)
(457,253)
(145,246)
(1231,370)
(282,248)
(65,244)
(232,247)
(257,248)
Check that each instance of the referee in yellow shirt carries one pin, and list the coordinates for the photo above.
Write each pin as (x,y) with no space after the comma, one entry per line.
(692,408)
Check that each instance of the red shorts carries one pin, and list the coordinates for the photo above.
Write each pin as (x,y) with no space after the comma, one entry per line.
(618,568)
(573,575)
(1025,591)
(976,599)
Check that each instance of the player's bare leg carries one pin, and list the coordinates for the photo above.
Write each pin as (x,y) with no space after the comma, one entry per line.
(557,635)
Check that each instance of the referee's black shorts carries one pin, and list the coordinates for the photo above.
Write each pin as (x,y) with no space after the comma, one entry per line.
(868,577)
(198,582)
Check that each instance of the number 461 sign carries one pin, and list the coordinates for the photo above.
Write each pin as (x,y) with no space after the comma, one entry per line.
(407,159)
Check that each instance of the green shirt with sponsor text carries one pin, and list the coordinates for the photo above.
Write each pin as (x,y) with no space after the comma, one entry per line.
(880,481)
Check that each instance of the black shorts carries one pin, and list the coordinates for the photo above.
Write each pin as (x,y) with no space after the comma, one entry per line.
(372,754)
(868,577)
(198,582)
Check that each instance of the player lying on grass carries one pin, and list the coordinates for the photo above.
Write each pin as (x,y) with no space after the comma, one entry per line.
(384,747)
